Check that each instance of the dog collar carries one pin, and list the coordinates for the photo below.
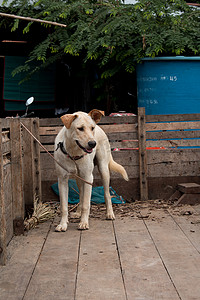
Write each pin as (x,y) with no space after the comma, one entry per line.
(62,148)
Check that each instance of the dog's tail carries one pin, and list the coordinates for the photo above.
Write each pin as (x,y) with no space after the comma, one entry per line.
(113,166)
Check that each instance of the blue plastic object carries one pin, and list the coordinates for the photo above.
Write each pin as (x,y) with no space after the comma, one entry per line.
(169,85)
(97,194)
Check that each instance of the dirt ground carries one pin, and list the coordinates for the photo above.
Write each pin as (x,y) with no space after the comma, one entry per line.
(140,209)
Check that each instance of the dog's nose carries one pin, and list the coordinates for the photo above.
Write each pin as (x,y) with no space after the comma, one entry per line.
(91,144)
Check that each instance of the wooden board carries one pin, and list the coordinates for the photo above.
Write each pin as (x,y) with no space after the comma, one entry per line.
(154,257)
(31,161)
(178,254)
(8,201)
(189,188)
(55,273)
(144,273)
(177,134)
(17,179)
(104,120)
(3,236)
(168,163)
(15,276)
(143,171)
(99,274)
(172,126)
(190,225)
(174,143)
(119,128)
(175,117)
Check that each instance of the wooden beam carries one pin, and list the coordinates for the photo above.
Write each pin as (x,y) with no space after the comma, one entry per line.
(17,178)
(3,251)
(142,154)
(31,161)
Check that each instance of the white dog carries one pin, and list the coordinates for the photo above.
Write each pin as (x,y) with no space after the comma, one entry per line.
(79,145)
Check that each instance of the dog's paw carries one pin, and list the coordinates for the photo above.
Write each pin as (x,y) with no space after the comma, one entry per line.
(75,215)
(110,216)
(83,225)
(61,227)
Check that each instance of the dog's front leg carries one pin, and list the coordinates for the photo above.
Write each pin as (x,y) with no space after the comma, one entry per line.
(85,204)
(63,191)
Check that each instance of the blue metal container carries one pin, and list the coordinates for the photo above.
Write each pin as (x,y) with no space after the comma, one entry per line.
(169,85)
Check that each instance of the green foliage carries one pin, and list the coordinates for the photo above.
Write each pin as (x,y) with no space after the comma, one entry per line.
(114,35)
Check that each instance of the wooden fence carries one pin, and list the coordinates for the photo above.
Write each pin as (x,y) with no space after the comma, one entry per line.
(19,177)
(158,153)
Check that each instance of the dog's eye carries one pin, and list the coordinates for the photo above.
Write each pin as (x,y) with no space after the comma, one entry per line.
(92,128)
(81,128)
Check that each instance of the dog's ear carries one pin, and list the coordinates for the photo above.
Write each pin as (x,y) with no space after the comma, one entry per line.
(96,115)
(68,119)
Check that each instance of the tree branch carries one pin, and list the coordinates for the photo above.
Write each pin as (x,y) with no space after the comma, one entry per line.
(32,19)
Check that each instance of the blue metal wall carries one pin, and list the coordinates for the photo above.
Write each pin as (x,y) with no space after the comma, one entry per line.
(41,86)
(169,85)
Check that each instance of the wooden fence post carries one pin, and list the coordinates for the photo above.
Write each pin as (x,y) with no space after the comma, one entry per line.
(31,161)
(17,176)
(3,249)
(142,154)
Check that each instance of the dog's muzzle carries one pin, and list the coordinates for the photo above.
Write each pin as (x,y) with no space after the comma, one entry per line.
(89,149)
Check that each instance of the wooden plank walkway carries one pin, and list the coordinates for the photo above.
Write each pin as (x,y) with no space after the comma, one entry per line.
(152,256)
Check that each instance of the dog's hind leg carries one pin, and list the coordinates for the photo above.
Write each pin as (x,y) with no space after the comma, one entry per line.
(63,191)
(105,176)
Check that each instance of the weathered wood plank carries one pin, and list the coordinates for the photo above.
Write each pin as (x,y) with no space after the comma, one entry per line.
(8,201)
(16,163)
(47,139)
(6,147)
(49,130)
(119,136)
(55,273)
(106,128)
(189,188)
(190,225)
(173,155)
(3,237)
(118,120)
(172,126)
(173,169)
(174,143)
(119,128)
(37,189)
(142,154)
(189,199)
(104,120)
(99,275)
(175,117)
(15,276)
(132,171)
(31,161)
(27,141)
(144,273)
(177,134)
(178,254)
(123,144)
(126,157)
(133,144)
(6,123)
(50,122)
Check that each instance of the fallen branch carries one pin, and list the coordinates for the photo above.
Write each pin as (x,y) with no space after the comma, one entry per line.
(32,19)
